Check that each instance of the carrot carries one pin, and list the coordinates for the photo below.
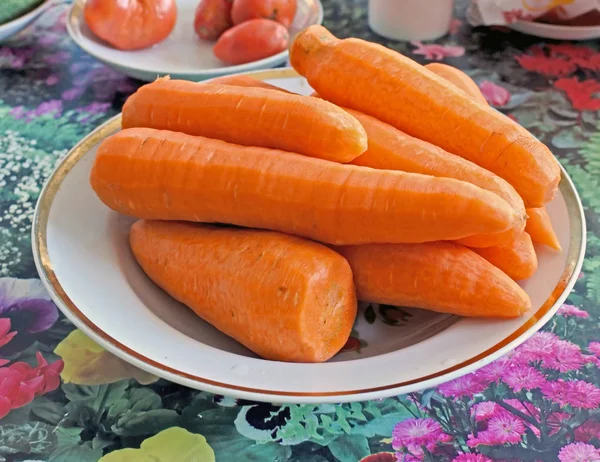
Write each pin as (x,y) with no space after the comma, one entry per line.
(248,116)
(517,259)
(242,80)
(283,297)
(165,175)
(392,149)
(438,276)
(372,79)
(459,79)
(540,228)
(389,148)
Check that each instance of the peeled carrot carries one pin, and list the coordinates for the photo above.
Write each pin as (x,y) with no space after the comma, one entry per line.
(389,148)
(165,175)
(438,276)
(540,228)
(242,80)
(283,297)
(372,79)
(459,79)
(517,259)
(248,116)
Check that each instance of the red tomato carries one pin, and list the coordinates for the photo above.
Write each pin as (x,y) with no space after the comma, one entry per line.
(213,17)
(250,41)
(282,11)
(132,24)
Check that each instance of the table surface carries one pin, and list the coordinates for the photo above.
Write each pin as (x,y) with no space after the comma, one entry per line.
(63,398)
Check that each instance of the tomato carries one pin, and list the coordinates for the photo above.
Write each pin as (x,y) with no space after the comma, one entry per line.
(132,24)
(213,17)
(282,11)
(250,41)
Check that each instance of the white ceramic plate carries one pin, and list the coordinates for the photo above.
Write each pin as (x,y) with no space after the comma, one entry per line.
(555,31)
(10,28)
(83,257)
(182,55)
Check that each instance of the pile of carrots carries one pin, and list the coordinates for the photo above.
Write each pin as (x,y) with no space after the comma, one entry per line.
(395,183)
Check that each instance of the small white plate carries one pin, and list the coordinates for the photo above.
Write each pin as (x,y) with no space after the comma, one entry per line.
(83,257)
(556,31)
(10,28)
(182,55)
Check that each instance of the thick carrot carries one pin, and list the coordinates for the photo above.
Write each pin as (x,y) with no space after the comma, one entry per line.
(248,116)
(283,297)
(438,276)
(242,80)
(389,148)
(459,79)
(517,259)
(372,79)
(540,228)
(165,175)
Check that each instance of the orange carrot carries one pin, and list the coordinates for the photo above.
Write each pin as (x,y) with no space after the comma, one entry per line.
(283,297)
(392,149)
(540,228)
(242,80)
(517,259)
(459,79)
(438,276)
(248,116)
(372,79)
(165,175)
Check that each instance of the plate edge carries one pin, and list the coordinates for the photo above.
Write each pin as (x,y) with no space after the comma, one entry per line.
(573,265)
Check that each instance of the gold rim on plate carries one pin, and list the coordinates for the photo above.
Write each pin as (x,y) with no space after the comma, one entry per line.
(44,265)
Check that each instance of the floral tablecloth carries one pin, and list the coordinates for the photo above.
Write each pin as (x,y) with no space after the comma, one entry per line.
(63,398)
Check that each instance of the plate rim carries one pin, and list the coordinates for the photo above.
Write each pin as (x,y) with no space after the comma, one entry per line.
(556,31)
(23,19)
(76,9)
(44,266)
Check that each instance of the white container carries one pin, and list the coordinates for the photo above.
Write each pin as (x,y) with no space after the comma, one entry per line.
(410,19)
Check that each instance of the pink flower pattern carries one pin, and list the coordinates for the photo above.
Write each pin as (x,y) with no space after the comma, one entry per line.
(579,452)
(594,348)
(588,430)
(5,334)
(471,458)
(485,410)
(523,378)
(489,438)
(506,428)
(467,385)
(574,393)
(572,310)
(565,357)
(437,52)
(416,433)
(494,94)
(493,371)
(555,420)
(539,347)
